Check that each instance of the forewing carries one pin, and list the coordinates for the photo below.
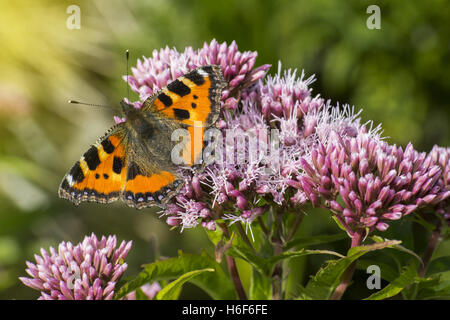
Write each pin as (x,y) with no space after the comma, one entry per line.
(194,97)
(100,174)
(193,101)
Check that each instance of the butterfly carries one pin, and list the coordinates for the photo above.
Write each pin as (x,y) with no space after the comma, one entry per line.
(132,161)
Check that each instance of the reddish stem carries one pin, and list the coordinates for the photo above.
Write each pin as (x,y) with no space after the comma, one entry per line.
(277,274)
(431,247)
(357,238)
(298,220)
(236,279)
(233,270)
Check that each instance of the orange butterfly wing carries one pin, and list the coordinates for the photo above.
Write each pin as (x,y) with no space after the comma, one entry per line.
(193,100)
(105,173)
(100,174)
(194,97)
(144,190)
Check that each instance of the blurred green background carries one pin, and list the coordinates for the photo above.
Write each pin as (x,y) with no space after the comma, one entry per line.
(398,75)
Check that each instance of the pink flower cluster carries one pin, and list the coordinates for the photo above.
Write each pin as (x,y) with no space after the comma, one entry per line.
(307,150)
(86,271)
(441,157)
(367,183)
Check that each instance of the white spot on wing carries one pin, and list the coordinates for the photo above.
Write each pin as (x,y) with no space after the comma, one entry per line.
(202,72)
(69,179)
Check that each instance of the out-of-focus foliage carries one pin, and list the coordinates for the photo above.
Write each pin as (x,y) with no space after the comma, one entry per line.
(398,75)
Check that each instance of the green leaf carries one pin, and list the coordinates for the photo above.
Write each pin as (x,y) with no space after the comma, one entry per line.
(438,265)
(216,284)
(260,286)
(373,247)
(398,247)
(340,225)
(215,236)
(323,284)
(304,294)
(173,289)
(246,254)
(435,287)
(314,240)
(265,266)
(388,273)
(140,295)
(407,277)
(292,254)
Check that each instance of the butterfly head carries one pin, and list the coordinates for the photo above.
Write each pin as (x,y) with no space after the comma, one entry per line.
(139,123)
(127,108)
(130,112)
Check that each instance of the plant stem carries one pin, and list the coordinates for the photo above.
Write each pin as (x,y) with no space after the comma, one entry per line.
(233,270)
(298,220)
(277,274)
(236,279)
(348,274)
(431,247)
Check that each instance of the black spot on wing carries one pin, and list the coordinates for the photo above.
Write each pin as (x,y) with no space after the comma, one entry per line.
(195,77)
(165,99)
(105,176)
(91,158)
(107,146)
(194,105)
(181,114)
(76,172)
(65,185)
(117,165)
(208,69)
(179,88)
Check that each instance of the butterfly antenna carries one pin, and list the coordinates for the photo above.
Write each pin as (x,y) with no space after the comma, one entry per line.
(88,104)
(127,54)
